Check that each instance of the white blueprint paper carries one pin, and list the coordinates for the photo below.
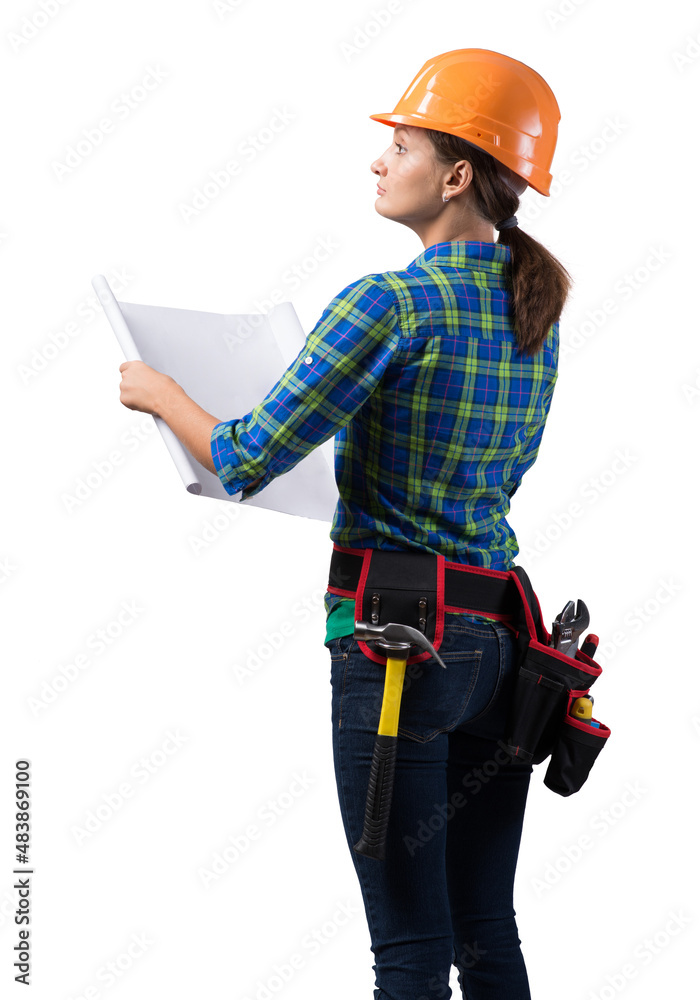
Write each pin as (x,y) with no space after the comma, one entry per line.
(227,364)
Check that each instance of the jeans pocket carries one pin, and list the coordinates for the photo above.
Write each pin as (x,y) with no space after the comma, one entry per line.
(341,646)
(434,698)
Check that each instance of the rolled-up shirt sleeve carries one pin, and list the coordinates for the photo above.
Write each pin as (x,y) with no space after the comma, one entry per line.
(339,367)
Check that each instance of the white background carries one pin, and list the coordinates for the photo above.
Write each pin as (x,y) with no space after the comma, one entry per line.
(608,513)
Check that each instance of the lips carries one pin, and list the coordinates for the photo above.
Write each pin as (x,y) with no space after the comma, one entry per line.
(380,190)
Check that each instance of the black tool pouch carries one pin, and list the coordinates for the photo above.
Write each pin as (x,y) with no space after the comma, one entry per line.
(575,751)
(541,698)
(546,685)
(401,587)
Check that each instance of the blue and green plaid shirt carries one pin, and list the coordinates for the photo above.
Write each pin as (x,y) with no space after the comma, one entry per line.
(437,414)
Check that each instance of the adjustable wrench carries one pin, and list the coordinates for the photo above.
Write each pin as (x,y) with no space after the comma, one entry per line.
(568,626)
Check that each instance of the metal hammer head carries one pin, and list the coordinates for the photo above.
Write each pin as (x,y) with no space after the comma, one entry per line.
(396,638)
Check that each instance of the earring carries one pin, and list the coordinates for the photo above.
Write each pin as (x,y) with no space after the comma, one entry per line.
(445,198)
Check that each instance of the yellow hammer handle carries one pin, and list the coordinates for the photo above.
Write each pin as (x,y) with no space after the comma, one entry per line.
(391,702)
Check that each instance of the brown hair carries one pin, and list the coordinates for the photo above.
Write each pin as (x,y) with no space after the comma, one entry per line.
(539,283)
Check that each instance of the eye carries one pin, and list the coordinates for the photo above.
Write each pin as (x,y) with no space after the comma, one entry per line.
(399,145)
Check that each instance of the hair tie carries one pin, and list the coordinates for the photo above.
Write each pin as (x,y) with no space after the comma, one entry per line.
(507,223)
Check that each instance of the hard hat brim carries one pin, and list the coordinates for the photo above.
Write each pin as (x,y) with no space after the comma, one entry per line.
(540,181)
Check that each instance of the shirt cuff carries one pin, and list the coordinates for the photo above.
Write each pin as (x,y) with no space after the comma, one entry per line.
(237,473)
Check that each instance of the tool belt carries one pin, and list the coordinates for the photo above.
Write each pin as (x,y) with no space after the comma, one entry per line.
(418,588)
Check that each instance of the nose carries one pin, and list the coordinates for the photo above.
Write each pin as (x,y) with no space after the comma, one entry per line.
(375,166)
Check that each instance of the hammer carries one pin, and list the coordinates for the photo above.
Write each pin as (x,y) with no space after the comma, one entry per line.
(397,640)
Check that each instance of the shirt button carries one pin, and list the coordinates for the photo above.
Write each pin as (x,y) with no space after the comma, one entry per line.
(308,360)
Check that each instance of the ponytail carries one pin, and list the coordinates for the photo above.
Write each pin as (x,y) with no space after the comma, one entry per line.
(539,283)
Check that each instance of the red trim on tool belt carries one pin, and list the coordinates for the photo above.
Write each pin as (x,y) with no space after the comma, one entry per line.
(528,613)
(339,592)
(359,600)
(440,617)
(499,574)
(359,595)
(600,730)
(344,548)
(586,665)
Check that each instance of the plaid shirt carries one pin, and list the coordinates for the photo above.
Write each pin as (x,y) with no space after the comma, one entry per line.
(436,413)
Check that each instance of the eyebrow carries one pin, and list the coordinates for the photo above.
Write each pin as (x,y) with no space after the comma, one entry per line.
(399,128)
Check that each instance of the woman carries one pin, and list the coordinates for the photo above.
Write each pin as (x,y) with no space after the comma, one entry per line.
(437,380)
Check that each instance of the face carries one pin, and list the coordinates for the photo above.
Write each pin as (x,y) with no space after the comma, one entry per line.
(408,175)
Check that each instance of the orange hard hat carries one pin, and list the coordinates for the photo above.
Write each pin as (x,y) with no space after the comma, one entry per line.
(495,103)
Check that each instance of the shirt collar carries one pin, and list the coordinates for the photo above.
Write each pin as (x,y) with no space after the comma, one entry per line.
(471,254)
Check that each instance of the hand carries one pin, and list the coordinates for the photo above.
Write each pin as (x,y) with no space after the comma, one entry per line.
(143,388)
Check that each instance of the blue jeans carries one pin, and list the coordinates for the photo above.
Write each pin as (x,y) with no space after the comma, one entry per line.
(444,894)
